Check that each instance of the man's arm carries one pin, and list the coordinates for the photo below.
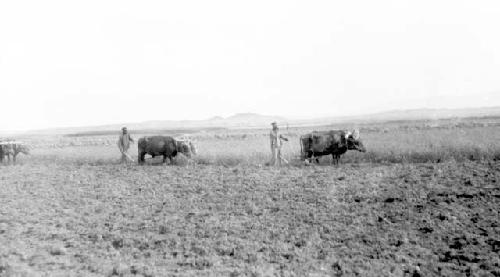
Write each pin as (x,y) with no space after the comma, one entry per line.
(283,138)
(130,138)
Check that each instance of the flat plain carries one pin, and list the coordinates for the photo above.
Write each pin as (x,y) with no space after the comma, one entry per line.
(420,202)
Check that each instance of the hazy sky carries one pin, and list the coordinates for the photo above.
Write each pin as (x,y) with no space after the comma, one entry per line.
(71,63)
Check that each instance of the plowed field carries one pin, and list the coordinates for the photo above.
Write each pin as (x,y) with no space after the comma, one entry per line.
(65,219)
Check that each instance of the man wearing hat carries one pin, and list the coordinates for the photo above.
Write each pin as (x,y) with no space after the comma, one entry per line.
(276,143)
(124,144)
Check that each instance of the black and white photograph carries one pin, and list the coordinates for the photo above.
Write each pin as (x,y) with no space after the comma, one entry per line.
(250,138)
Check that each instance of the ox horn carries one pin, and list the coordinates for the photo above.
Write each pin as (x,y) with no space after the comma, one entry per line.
(347,134)
(355,134)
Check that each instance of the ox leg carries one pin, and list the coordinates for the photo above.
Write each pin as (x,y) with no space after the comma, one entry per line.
(309,156)
(141,157)
(316,158)
(334,159)
(172,156)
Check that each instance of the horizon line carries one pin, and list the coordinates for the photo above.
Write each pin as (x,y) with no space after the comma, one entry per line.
(286,117)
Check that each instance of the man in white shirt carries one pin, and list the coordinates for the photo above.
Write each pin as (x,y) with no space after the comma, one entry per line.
(124,144)
(276,143)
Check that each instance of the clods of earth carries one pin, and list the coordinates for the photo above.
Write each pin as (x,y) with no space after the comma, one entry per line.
(201,220)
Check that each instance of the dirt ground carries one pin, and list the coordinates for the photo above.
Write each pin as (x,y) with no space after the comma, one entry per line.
(62,219)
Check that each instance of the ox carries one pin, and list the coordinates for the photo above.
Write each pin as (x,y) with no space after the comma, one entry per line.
(335,143)
(12,149)
(164,146)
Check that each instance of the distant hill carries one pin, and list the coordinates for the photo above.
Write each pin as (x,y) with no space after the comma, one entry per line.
(414,114)
(419,114)
(240,120)
(253,120)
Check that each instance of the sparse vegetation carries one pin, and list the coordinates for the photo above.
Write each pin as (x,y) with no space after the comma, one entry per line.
(419,202)
(398,146)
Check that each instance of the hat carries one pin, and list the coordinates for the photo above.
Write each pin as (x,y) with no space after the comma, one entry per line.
(124,128)
(274,123)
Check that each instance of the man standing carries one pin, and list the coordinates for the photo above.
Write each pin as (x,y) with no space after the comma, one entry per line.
(276,143)
(124,144)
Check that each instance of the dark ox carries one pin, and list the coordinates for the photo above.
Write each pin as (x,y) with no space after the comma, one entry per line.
(12,149)
(164,146)
(335,143)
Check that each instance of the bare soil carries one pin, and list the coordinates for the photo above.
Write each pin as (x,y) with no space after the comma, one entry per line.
(63,219)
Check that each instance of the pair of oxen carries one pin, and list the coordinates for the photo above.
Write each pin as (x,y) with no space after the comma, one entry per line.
(335,142)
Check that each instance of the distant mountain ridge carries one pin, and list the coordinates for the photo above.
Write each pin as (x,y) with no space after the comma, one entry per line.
(254,120)
(234,121)
(416,114)
(239,120)
(411,114)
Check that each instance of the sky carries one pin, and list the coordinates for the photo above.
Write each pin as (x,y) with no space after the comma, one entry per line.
(76,63)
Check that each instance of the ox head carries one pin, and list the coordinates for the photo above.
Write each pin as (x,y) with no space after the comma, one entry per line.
(354,142)
(22,148)
(186,147)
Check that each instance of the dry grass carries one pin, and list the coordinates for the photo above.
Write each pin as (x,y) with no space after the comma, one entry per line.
(400,146)
(394,211)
